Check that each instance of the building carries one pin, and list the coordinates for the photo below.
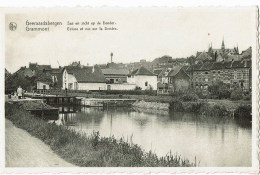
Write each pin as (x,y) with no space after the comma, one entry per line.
(56,75)
(179,80)
(218,55)
(229,72)
(43,85)
(115,75)
(83,78)
(117,79)
(203,57)
(143,78)
(162,80)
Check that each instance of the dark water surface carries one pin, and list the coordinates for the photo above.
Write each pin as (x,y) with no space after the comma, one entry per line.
(214,141)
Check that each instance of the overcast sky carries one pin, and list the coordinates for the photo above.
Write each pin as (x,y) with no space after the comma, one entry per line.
(142,34)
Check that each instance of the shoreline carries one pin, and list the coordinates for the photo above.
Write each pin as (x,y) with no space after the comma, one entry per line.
(90,150)
(18,153)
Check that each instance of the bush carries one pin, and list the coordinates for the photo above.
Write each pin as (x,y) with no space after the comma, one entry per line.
(236,94)
(189,97)
(243,111)
(192,106)
(176,105)
(247,97)
(215,110)
(243,115)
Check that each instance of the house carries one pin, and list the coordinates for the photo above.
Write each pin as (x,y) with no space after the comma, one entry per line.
(83,78)
(229,72)
(56,74)
(115,75)
(178,79)
(162,79)
(117,79)
(43,85)
(143,78)
(203,57)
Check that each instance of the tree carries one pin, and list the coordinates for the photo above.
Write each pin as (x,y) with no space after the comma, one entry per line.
(219,90)
(191,60)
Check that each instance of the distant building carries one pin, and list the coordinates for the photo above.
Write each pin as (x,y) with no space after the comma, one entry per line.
(56,74)
(143,78)
(43,85)
(229,72)
(179,80)
(203,57)
(115,75)
(168,62)
(218,55)
(85,78)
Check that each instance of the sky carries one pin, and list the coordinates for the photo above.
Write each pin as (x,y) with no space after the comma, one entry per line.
(143,33)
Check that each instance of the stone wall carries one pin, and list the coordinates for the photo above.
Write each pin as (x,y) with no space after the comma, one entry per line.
(151,105)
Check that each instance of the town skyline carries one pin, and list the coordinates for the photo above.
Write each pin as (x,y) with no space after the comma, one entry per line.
(181,34)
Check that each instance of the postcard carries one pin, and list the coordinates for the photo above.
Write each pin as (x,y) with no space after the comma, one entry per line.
(130,90)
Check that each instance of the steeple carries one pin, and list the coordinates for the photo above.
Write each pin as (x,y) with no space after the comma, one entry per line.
(223,44)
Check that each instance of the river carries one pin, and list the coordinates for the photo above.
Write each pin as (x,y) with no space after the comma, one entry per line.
(214,141)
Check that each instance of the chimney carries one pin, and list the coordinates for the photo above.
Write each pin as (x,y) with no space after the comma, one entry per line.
(111,54)
(93,69)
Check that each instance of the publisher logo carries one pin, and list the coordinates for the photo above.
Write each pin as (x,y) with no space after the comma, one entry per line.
(12,26)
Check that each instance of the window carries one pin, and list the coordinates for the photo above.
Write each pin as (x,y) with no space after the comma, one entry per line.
(70,86)
(206,79)
(206,72)
(76,85)
(239,75)
(146,83)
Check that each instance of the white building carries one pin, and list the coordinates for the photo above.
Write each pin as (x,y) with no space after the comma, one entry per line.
(43,85)
(143,78)
(83,78)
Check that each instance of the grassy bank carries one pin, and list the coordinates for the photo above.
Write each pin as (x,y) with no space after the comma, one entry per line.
(238,111)
(89,150)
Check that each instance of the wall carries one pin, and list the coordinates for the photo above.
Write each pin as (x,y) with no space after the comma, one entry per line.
(181,84)
(141,79)
(124,86)
(40,85)
(91,86)
(117,79)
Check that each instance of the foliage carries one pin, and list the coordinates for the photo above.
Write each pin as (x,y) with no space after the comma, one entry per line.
(138,88)
(44,77)
(185,95)
(191,60)
(89,150)
(219,90)
(243,111)
(13,81)
(237,94)
(214,110)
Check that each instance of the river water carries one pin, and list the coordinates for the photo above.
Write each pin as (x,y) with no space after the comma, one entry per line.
(213,141)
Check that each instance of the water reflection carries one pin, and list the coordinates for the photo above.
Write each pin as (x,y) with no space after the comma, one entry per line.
(214,141)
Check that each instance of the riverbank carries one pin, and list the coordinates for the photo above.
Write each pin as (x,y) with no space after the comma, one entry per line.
(89,150)
(24,150)
(202,107)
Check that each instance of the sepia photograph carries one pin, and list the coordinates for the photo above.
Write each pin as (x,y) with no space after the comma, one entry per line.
(131,87)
